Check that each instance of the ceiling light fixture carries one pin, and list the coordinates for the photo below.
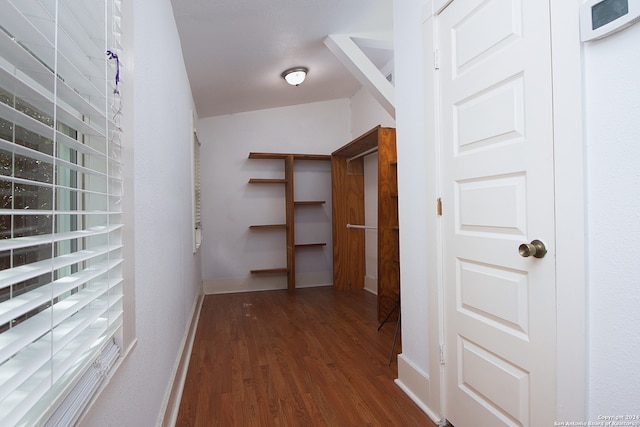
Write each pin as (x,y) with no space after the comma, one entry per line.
(295,76)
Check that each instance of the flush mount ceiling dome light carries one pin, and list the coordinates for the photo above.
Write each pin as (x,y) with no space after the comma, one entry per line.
(295,76)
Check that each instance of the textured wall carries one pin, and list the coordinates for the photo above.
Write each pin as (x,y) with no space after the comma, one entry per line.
(229,204)
(167,273)
(412,179)
(612,112)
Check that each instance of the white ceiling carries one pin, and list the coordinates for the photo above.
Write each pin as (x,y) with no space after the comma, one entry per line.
(235,50)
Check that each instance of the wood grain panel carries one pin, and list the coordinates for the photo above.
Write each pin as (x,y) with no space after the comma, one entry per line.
(348,208)
(347,192)
(309,202)
(283,156)
(364,142)
(291,233)
(388,227)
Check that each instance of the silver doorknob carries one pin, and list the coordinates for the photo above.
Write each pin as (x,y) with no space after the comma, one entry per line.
(535,249)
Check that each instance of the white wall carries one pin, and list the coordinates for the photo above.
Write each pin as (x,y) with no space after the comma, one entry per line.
(157,123)
(612,118)
(366,113)
(371,219)
(230,205)
(412,181)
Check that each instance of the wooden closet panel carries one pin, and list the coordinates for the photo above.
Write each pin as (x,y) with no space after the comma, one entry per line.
(388,230)
(291,246)
(347,185)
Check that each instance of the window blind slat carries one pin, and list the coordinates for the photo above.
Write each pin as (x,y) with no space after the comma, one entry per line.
(16,307)
(24,121)
(39,39)
(74,144)
(30,91)
(82,169)
(60,185)
(37,71)
(85,86)
(35,269)
(88,16)
(18,404)
(20,119)
(28,64)
(87,385)
(76,101)
(24,151)
(115,184)
(21,336)
(59,212)
(14,372)
(36,357)
(77,367)
(70,316)
(78,38)
(25,242)
(28,152)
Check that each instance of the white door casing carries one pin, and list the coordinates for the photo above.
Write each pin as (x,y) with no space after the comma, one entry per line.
(495,113)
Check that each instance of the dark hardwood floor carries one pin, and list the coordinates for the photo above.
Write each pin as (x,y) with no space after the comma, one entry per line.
(310,359)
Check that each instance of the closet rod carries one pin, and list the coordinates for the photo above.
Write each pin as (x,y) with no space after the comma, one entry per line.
(364,153)
(367,227)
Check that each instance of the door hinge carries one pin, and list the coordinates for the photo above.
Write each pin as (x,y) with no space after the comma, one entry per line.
(442,354)
(436,59)
(439,206)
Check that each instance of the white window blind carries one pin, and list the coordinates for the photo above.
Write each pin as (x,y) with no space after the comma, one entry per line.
(197,220)
(60,188)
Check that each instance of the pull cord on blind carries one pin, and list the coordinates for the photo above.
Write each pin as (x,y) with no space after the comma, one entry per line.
(60,188)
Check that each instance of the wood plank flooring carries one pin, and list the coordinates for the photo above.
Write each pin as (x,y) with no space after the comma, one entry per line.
(310,359)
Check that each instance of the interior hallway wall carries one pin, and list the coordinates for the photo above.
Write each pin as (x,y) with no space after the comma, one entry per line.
(230,205)
(612,121)
(158,137)
(412,181)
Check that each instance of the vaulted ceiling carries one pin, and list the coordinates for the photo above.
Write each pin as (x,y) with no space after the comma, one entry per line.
(236,50)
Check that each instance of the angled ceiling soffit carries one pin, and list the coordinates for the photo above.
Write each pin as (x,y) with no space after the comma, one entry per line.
(349,49)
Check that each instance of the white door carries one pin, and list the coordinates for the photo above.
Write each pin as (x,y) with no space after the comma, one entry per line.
(496,147)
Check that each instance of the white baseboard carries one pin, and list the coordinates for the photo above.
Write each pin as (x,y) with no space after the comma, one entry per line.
(415,383)
(173,397)
(371,284)
(265,282)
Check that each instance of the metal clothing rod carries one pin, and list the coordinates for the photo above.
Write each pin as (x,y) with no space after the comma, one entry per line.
(364,153)
(367,227)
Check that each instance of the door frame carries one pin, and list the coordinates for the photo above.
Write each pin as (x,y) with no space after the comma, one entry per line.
(569,185)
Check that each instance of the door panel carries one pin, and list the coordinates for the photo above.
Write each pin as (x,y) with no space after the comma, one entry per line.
(494,88)
(484,377)
(493,205)
(476,40)
(490,117)
(495,296)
